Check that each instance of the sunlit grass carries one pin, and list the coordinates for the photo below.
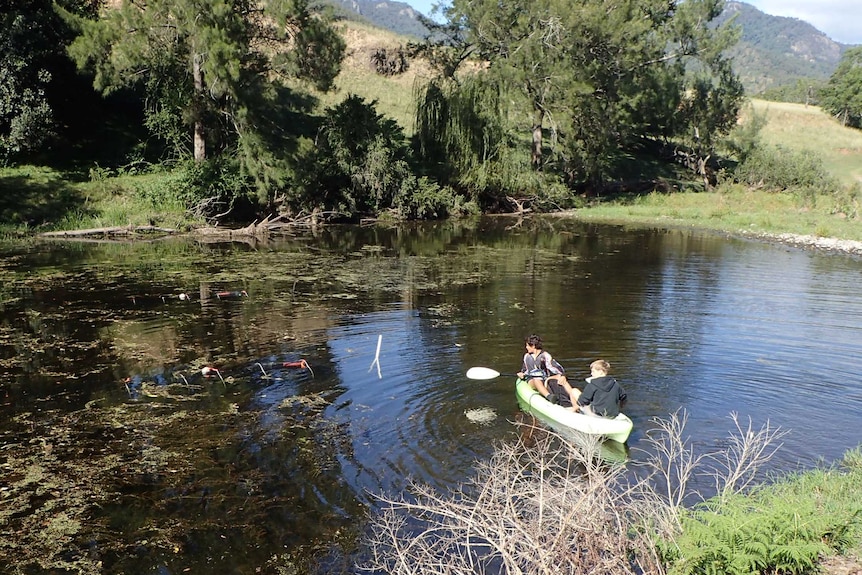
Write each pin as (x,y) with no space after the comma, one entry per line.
(732,208)
(393,94)
(52,199)
(810,129)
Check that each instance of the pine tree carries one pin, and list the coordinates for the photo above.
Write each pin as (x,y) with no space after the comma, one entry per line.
(213,67)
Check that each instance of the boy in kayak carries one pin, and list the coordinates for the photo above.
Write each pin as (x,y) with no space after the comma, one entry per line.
(602,395)
(545,374)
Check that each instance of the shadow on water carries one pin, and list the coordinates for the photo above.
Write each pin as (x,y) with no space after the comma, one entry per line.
(156,419)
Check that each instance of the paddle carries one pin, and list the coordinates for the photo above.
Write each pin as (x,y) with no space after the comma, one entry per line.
(486,373)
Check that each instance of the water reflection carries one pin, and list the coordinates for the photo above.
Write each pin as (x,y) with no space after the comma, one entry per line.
(100,364)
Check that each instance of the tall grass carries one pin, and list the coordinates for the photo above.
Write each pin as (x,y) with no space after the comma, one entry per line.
(809,129)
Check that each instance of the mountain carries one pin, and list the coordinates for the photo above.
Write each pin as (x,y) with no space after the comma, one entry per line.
(773,51)
(777,51)
(398,17)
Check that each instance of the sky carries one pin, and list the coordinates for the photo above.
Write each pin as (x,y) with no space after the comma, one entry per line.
(841,20)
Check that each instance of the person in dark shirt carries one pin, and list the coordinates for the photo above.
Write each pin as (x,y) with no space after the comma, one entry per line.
(545,374)
(602,396)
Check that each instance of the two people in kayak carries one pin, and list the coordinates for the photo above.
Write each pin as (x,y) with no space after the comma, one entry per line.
(601,396)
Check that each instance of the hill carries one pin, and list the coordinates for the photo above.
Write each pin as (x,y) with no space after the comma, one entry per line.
(777,51)
(773,51)
(397,17)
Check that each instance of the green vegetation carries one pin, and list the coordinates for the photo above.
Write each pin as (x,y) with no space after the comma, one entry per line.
(802,176)
(842,96)
(555,507)
(247,94)
(514,120)
(786,527)
(31,195)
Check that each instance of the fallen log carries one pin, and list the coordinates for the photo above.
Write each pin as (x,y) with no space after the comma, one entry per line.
(109,231)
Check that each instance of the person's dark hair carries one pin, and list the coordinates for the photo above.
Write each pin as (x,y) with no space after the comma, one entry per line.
(534,340)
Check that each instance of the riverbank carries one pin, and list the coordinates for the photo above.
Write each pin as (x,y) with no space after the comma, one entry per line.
(782,217)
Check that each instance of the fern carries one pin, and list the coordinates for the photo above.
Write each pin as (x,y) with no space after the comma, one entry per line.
(783,528)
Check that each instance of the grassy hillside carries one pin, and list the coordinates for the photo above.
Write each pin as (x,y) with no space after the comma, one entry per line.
(809,129)
(735,208)
(394,94)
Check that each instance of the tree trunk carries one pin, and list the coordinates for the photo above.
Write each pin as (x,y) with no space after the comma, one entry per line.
(536,147)
(199,141)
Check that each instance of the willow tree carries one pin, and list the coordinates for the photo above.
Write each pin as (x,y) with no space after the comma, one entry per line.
(524,41)
(601,74)
(213,66)
(459,128)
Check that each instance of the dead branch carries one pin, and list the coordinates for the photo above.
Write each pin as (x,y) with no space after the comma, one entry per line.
(109,231)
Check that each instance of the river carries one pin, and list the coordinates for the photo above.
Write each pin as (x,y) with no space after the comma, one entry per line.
(118,452)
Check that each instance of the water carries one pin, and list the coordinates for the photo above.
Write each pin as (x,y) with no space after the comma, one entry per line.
(100,375)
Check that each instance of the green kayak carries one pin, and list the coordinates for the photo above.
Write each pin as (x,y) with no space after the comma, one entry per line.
(532,402)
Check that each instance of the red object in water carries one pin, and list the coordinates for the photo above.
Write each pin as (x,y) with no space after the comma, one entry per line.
(208,371)
(301,364)
(231,294)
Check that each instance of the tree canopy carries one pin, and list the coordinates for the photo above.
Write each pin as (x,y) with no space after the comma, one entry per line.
(842,96)
(33,70)
(600,76)
(215,72)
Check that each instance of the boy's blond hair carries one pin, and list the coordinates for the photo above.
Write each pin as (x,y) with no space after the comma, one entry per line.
(601,365)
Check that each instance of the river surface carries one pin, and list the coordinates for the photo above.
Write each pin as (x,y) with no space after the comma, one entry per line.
(118,451)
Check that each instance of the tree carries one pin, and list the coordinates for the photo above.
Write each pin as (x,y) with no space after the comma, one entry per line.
(842,96)
(32,57)
(524,42)
(358,164)
(599,76)
(216,68)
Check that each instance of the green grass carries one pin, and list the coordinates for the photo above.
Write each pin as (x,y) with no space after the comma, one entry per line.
(36,198)
(732,208)
(393,94)
(809,129)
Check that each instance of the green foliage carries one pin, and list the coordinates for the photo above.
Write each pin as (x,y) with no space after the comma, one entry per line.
(210,189)
(601,78)
(32,44)
(213,74)
(359,166)
(459,127)
(842,96)
(803,91)
(778,168)
(783,528)
(744,139)
(848,201)
(422,199)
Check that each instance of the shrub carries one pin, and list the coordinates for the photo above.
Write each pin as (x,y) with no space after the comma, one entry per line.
(533,509)
(782,169)
(211,189)
(359,165)
(847,200)
(389,61)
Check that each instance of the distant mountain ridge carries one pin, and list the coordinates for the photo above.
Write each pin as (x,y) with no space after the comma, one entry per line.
(398,17)
(773,51)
